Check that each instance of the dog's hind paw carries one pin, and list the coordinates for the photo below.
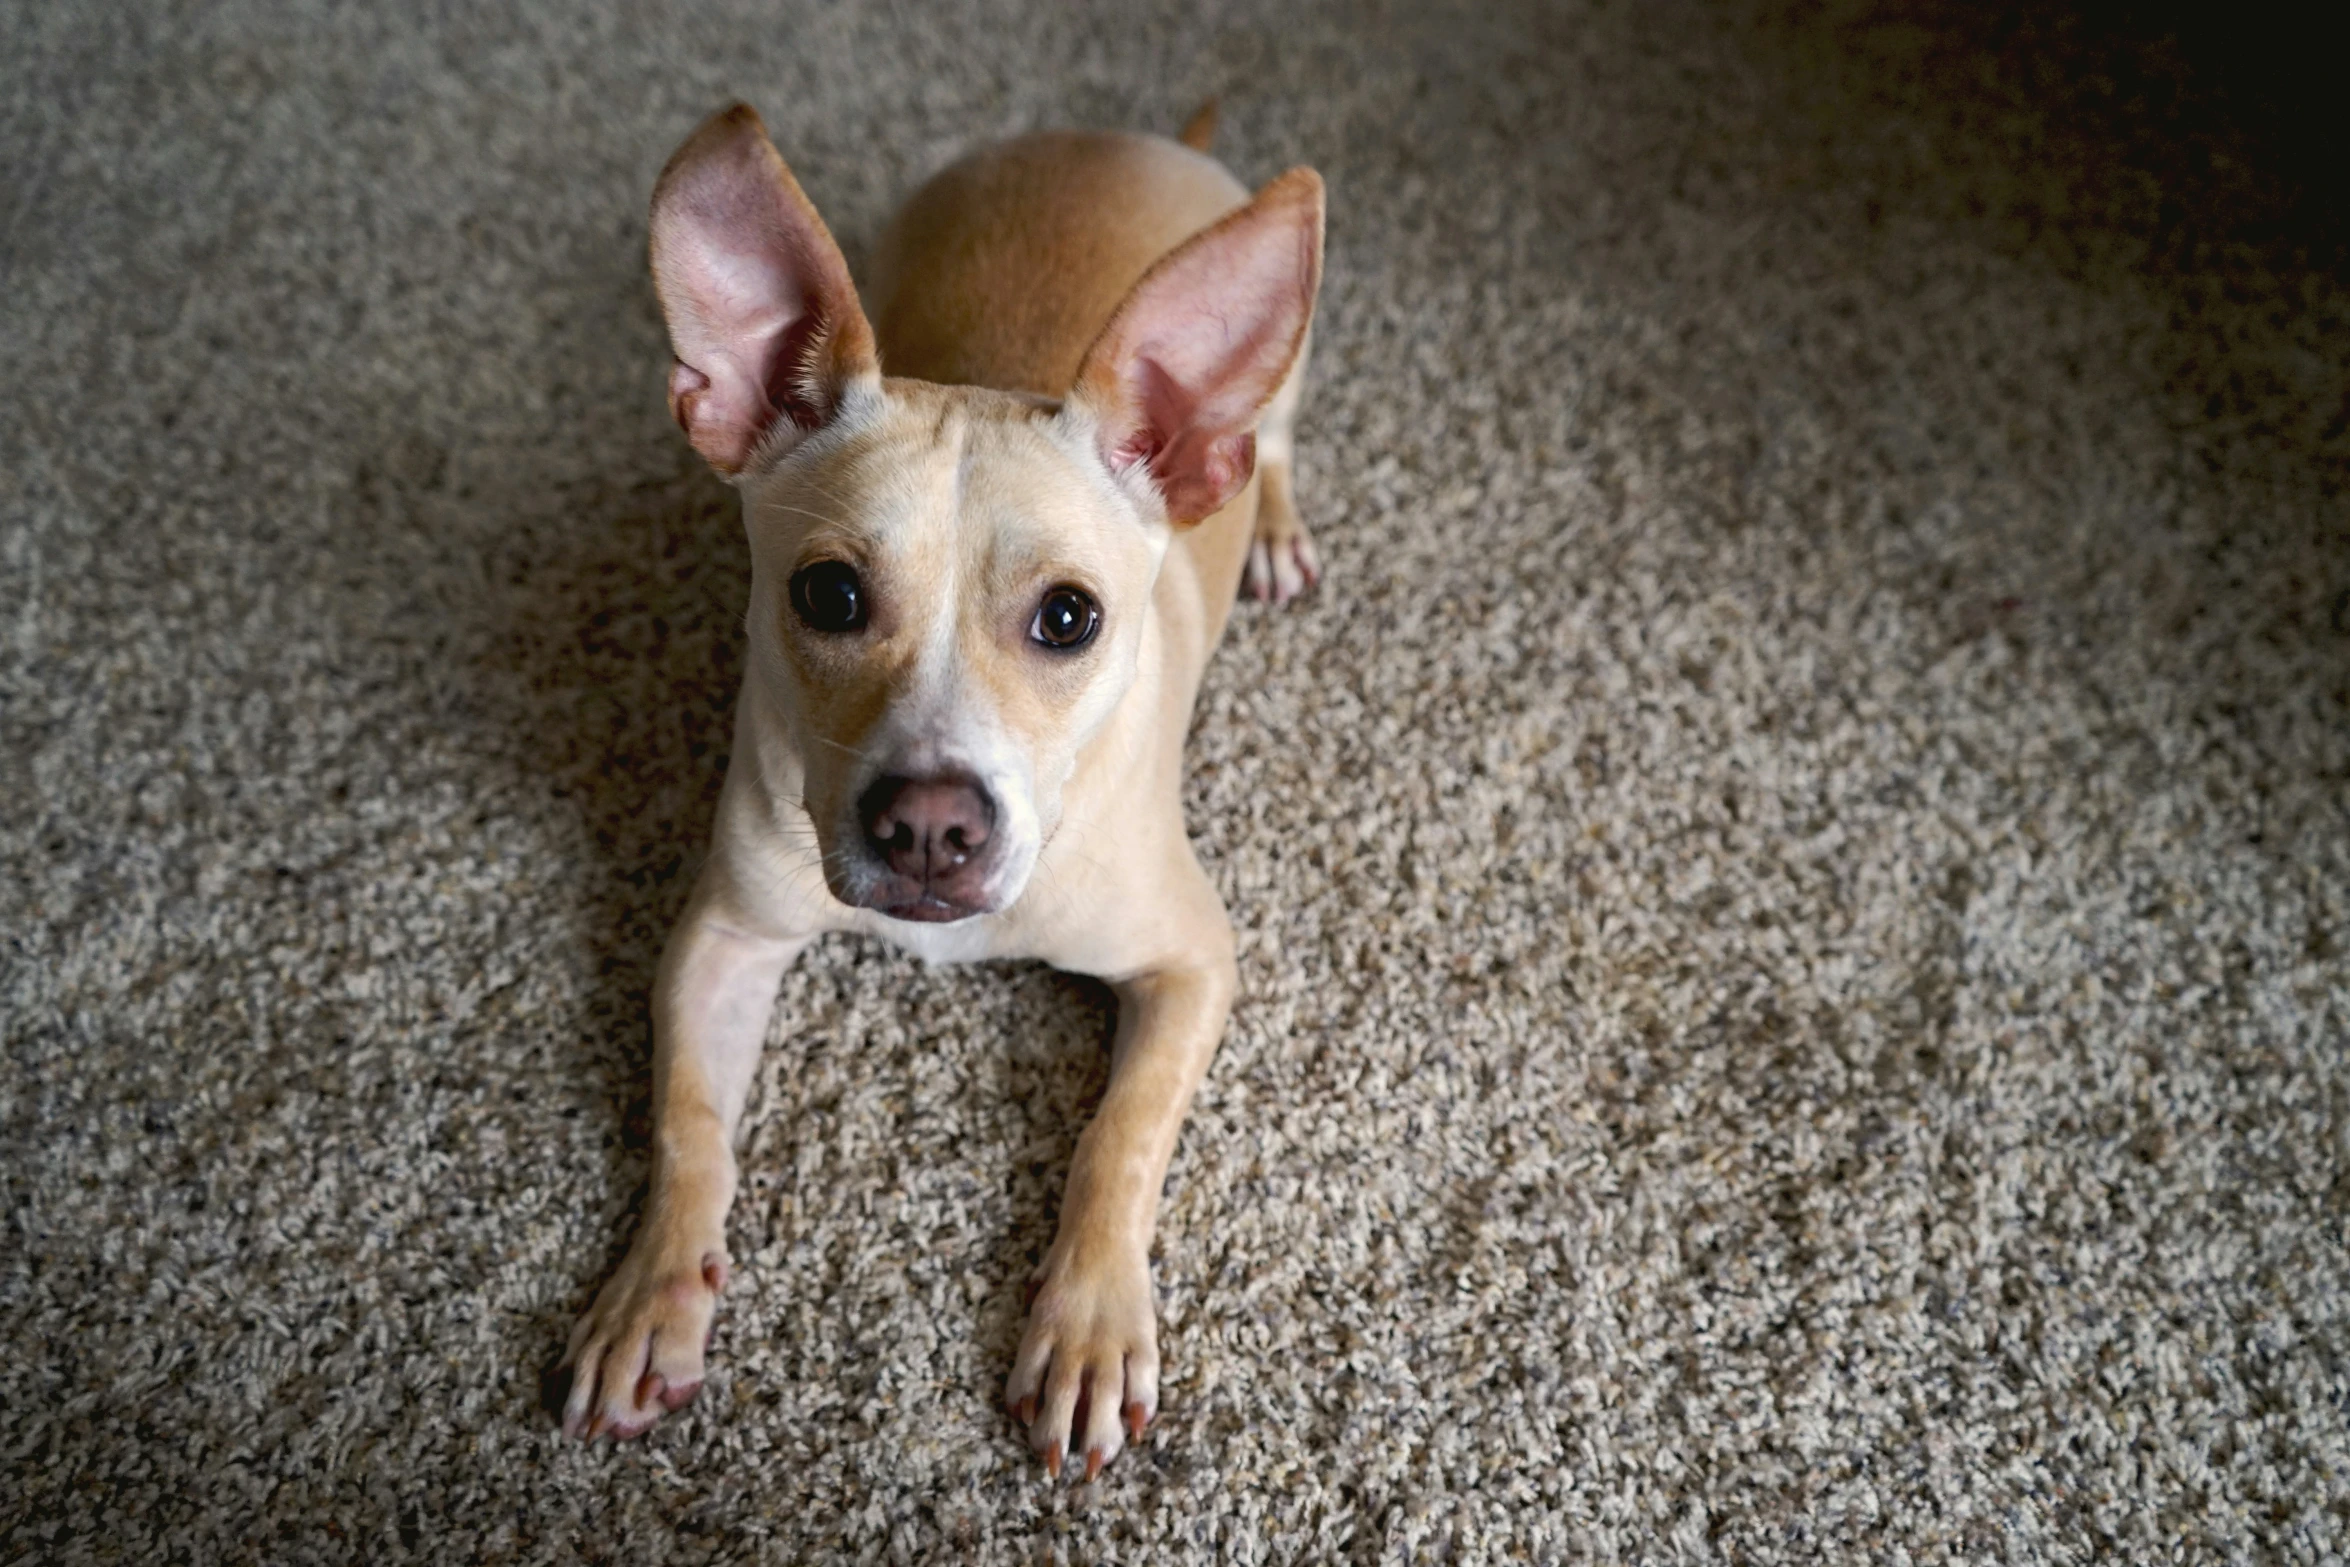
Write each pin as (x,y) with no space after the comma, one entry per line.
(1278,573)
(1282,562)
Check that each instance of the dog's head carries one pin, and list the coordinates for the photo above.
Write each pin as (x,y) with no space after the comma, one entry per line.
(949,584)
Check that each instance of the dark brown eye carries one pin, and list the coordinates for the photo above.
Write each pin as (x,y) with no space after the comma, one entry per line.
(828,596)
(1066,619)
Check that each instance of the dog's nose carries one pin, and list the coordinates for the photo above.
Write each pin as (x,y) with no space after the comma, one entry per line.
(923,828)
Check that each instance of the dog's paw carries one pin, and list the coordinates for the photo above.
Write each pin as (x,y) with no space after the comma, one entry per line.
(637,1354)
(1282,565)
(1280,571)
(1086,1378)
(1281,560)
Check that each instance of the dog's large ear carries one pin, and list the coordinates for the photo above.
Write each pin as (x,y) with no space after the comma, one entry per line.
(1175,382)
(762,315)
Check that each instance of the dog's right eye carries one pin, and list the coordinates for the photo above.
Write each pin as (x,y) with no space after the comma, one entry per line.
(828,597)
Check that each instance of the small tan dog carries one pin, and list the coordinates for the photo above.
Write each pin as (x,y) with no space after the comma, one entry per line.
(981,602)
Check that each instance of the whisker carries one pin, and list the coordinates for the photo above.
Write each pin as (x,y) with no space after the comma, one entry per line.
(800,511)
(850,750)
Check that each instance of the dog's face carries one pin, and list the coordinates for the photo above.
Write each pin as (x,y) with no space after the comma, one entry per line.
(947,603)
(950,584)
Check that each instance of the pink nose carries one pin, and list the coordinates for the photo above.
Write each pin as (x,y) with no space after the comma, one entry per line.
(927,828)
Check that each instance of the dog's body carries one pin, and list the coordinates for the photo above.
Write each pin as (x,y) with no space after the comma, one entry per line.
(982,601)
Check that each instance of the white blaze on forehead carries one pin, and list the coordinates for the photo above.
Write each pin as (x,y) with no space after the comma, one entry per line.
(942,717)
(935,693)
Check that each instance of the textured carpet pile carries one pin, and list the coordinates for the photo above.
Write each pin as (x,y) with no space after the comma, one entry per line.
(1794,882)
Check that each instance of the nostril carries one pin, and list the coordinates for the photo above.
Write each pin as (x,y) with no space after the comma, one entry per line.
(886,825)
(968,834)
(925,826)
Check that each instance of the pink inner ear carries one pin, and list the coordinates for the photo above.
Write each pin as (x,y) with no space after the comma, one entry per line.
(1198,473)
(1193,392)
(762,315)
(686,384)
(1190,360)
(752,328)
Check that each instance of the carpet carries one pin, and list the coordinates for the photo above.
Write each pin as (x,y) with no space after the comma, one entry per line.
(1793,882)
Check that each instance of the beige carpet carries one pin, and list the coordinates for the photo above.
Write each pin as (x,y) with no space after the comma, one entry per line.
(1794,882)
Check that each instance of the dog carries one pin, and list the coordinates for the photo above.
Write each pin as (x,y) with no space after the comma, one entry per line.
(983,589)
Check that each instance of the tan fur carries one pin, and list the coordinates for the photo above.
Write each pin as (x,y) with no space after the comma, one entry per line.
(1199,132)
(961,491)
(1003,268)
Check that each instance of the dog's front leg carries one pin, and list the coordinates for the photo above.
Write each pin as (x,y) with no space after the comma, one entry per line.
(638,1351)
(1088,1363)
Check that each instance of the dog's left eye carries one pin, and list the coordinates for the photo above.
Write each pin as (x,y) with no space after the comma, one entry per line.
(1066,619)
